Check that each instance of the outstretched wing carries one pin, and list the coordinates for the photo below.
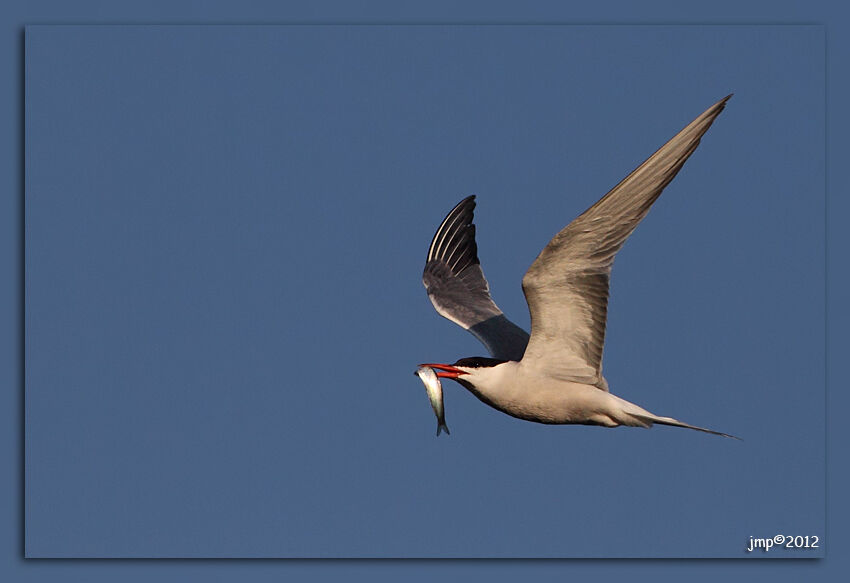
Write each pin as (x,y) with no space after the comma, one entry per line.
(456,286)
(567,285)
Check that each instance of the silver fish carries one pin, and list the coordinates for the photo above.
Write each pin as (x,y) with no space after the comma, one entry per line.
(435,394)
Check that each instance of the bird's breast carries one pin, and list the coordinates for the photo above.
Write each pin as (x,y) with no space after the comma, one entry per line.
(545,400)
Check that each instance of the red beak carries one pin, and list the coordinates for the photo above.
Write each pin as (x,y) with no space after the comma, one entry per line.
(445,371)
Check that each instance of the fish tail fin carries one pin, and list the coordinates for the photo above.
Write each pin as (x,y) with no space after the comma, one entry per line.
(441,426)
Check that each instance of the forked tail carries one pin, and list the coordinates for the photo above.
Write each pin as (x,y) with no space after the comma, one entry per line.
(674,423)
(627,413)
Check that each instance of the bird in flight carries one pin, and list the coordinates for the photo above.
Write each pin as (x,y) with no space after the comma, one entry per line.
(553,376)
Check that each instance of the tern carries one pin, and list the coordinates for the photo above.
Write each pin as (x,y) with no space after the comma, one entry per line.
(553,376)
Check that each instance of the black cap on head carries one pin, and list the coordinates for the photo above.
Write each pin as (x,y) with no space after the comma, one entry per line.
(478,362)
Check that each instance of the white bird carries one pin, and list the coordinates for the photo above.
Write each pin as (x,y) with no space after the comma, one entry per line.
(555,375)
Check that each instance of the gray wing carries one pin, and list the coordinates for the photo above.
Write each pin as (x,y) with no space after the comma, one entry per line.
(456,286)
(567,285)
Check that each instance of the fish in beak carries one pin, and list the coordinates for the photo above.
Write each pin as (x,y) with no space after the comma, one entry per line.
(444,371)
(434,388)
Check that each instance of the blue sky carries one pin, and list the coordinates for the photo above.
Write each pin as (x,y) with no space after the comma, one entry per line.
(228,226)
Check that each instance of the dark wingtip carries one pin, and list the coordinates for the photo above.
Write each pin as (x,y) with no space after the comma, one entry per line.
(454,242)
(712,112)
(720,105)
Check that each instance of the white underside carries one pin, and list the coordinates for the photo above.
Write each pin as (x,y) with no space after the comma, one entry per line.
(521,391)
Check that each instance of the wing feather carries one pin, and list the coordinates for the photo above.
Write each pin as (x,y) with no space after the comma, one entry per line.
(459,291)
(567,285)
